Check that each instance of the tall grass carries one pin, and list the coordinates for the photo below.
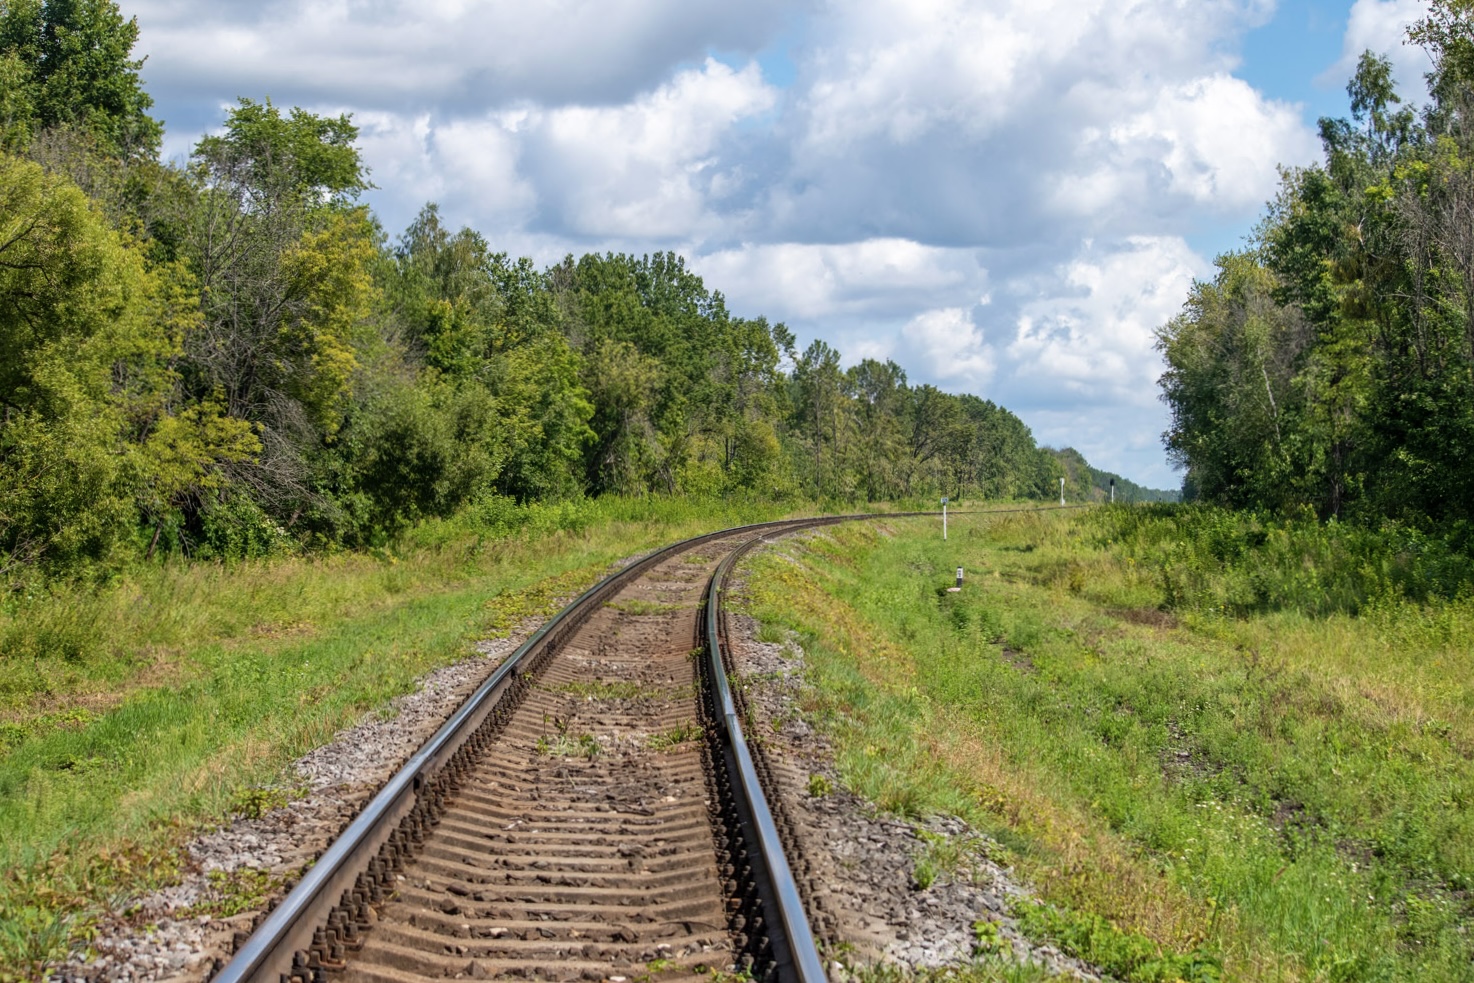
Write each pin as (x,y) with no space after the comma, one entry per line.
(1272,770)
(1242,563)
(132,713)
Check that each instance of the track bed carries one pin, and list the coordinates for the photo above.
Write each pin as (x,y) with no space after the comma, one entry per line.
(581,845)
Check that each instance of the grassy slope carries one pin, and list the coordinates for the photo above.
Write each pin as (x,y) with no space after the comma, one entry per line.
(131,715)
(1286,794)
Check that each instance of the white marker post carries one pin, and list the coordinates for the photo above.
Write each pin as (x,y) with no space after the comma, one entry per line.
(953,590)
(944,518)
(1061,491)
(1113,491)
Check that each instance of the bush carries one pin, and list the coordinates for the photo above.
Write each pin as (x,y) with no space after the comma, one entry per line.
(1215,560)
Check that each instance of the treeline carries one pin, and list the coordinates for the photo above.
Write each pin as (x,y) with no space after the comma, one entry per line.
(1329,366)
(231,357)
(1089,484)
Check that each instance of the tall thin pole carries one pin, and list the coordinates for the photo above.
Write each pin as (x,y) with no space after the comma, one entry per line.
(944,520)
(1061,491)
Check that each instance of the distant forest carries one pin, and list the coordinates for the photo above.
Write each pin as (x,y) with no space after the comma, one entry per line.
(231,357)
(1328,368)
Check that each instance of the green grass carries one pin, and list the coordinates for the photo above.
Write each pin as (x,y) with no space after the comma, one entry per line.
(1280,784)
(134,714)
(686,732)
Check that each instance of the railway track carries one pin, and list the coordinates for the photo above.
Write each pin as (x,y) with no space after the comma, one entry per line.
(591,812)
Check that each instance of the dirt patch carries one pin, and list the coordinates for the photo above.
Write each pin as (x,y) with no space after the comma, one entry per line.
(276,630)
(888,890)
(1182,760)
(1017,659)
(1150,617)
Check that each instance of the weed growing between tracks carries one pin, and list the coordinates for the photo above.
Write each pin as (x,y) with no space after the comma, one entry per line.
(1273,788)
(132,715)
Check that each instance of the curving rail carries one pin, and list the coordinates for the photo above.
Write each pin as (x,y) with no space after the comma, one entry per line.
(794,953)
(310,931)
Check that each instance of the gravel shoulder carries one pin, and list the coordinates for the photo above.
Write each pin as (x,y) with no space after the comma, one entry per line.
(237,872)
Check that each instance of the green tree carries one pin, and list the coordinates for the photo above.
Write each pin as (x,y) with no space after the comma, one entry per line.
(91,429)
(880,399)
(285,262)
(67,63)
(1231,355)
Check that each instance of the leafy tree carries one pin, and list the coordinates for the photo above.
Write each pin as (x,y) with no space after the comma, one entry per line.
(881,404)
(285,263)
(67,63)
(822,413)
(1231,356)
(91,428)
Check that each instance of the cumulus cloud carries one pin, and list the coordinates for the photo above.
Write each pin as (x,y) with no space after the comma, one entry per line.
(453,56)
(1076,355)
(950,347)
(1089,338)
(1021,121)
(870,279)
(643,170)
(649,168)
(1212,140)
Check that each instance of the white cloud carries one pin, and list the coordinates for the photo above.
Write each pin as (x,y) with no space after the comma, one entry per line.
(1212,140)
(454,56)
(950,346)
(1381,26)
(902,68)
(1020,121)
(1091,337)
(647,168)
(643,170)
(867,279)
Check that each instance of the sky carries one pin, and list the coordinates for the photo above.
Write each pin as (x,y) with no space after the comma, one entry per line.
(1006,197)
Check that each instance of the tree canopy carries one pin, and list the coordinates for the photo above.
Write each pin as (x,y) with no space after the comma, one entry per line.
(230,357)
(1330,364)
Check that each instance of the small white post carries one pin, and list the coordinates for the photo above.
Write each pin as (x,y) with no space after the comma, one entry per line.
(944,518)
(1061,491)
(959,576)
(1113,491)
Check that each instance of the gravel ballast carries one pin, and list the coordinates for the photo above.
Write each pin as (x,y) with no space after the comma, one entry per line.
(865,862)
(158,937)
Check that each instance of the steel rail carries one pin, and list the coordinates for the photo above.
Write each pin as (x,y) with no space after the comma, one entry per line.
(310,920)
(794,950)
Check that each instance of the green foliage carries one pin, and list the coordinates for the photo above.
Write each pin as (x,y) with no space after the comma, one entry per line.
(65,63)
(1329,365)
(263,152)
(1220,562)
(686,732)
(1125,955)
(91,434)
(1282,790)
